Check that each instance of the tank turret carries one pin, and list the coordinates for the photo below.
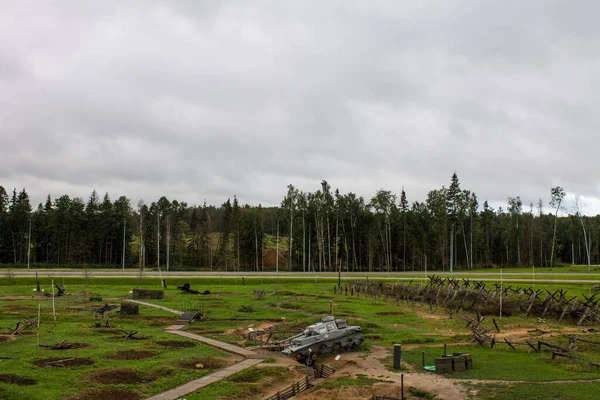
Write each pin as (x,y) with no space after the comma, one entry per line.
(327,336)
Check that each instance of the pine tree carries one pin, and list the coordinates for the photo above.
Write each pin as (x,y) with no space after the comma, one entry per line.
(403,211)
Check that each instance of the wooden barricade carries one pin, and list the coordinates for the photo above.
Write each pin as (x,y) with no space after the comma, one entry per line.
(293,390)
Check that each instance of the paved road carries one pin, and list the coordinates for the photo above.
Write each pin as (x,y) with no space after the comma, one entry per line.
(551,277)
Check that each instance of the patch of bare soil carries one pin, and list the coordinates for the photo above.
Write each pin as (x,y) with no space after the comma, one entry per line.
(265,325)
(105,394)
(271,385)
(159,321)
(68,346)
(432,316)
(354,392)
(18,309)
(63,362)
(85,307)
(204,363)
(176,344)
(371,366)
(130,355)
(107,331)
(391,313)
(17,380)
(7,338)
(205,329)
(15,297)
(117,376)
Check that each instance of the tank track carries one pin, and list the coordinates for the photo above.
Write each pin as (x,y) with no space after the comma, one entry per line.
(308,357)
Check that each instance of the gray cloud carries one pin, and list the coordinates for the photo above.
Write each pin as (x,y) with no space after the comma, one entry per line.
(203,100)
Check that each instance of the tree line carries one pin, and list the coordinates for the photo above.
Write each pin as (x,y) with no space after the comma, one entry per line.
(320,231)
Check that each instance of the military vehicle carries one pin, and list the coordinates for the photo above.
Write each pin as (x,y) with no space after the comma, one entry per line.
(328,335)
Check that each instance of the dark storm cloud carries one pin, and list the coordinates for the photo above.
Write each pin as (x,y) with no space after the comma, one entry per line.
(203,100)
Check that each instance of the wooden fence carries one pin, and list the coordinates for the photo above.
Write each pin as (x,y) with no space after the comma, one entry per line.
(323,371)
(293,390)
(273,337)
(320,371)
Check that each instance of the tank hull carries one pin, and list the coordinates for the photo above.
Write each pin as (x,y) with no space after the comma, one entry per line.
(327,336)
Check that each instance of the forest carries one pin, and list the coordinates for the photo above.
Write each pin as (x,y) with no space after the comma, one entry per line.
(321,231)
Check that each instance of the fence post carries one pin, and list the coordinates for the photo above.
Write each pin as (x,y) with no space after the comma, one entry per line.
(402,386)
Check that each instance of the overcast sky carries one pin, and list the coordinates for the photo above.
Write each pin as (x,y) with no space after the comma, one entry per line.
(202,100)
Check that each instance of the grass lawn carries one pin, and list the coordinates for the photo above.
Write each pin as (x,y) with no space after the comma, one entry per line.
(297,302)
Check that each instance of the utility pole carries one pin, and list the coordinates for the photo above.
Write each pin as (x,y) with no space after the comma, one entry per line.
(29,246)
(168,242)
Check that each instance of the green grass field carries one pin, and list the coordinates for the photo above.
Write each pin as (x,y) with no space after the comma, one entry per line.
(299,302)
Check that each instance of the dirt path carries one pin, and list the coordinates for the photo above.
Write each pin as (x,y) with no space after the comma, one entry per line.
(194,385)
(143,303)
(251,360)
(353,364)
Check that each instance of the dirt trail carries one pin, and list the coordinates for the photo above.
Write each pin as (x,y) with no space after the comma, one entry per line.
(352,364)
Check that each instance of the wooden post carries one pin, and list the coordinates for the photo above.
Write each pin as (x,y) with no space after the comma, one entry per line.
(53,308)
(402,386)
(38,325)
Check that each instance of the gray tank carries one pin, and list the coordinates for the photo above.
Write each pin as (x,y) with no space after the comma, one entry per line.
(327,336)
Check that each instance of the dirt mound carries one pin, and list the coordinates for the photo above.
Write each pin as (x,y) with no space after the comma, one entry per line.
(6,338)
(176,344)
(203,363)
(117,376)
(104,394)
(130,355)
(390,313)
(17,380)
(63,362)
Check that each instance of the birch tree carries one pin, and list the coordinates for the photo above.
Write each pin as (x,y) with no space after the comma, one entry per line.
(557,195)
(515,208)
(578,211)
